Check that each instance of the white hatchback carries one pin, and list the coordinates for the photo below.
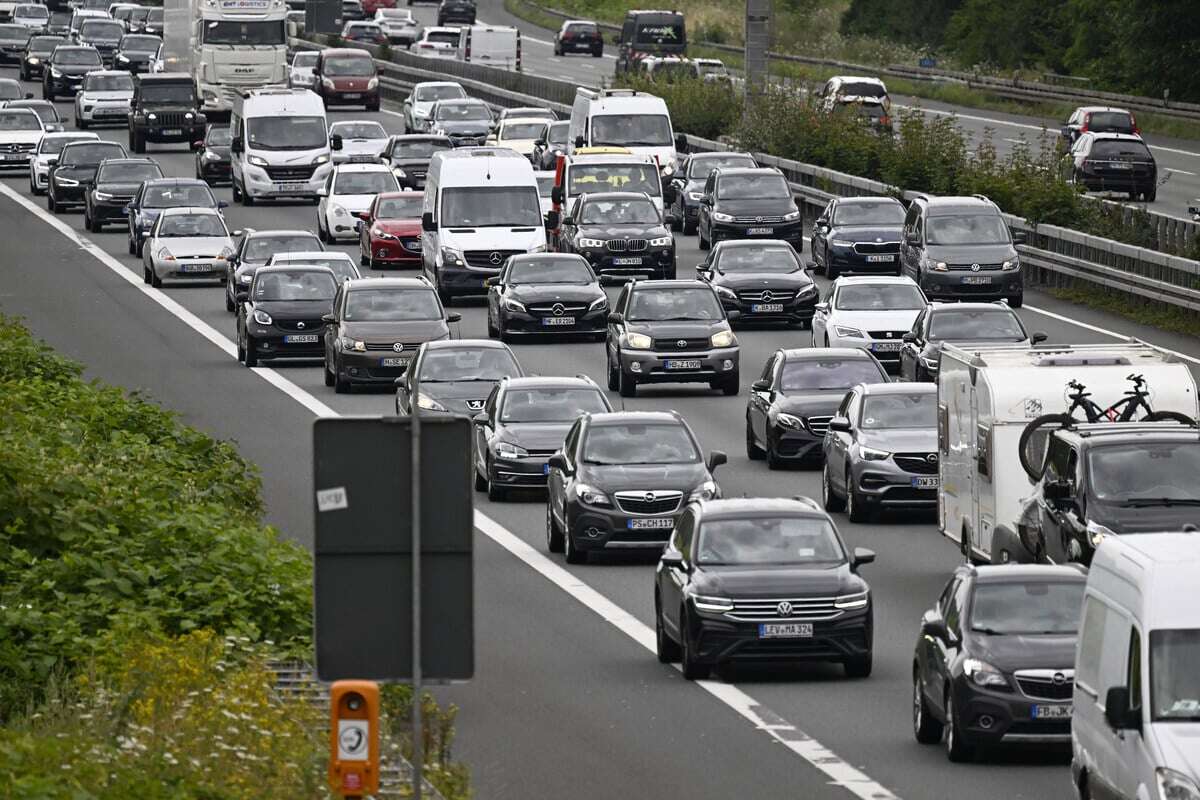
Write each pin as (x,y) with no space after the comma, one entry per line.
(349,191)
(868,311)
(362,140)
(104,99)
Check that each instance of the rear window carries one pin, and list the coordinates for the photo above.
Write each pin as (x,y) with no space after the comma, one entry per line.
(1111,121)
(861,89)
(1116,149)
(582,28)
(446,37)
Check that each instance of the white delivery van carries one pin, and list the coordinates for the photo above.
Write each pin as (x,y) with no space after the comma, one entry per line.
(481,206)
(280,146)
(491,45)
(987,394)
(1135,725)
(624,118)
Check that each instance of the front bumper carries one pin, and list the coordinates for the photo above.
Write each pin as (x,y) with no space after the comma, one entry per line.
(719,639)
(190,270)
(988,717)
(961,284)
(162,134)
(885,484)
(797,310)
(104,113)
(887,350)
(69,195)
(335,97)
(649,366)
(271,342)
(609,529)
(529,471)
(12,55)
(16,160)
(657,263)
(799,445)
(368,368)
(109,210)
(215,170)
(527,323)
(257,183)
(847,259)
(133,65)
(790,232)
(457,281)
(402,252)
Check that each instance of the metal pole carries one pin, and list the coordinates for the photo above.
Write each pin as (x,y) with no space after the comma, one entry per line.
(418,742)
(758,40)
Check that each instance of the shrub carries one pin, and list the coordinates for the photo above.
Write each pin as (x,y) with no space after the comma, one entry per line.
(700,108)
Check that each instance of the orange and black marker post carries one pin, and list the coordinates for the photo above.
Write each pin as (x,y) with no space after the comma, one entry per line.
(354,738)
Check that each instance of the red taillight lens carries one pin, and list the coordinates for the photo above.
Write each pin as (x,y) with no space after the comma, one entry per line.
(1133,124)
(885,121)
(1087,119)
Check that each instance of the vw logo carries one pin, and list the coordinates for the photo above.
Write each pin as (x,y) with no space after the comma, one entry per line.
(649,497)
(495,258)
(767,297)
(974,268)
(681,343)
(398,346)
(932,458)
(299,326)
(474,405)
(558,309)
(784,609)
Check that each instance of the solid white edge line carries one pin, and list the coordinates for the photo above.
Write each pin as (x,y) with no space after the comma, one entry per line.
(840,772)
(1103,331)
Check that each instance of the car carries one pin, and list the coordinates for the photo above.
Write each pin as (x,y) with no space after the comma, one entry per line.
(671,332)
(165,109)
(552,145)
(621,481)
(136,21)
(687,184)
(526,112)
(348,75)
(362,140)
(881,450)
(281,314)
(519,133)
(454,376)
(399,25)
(960,323)
(522,423)
(420,102)
(464,122)
(75,169)
(152,196)
(65,70)
(135,51)
(121,12)
(213,159)
(579,36)
(859,234)
(409,157)
(104,34)
(46,111)
(117,181)
(349,190)
(390,231)
(438,42)
(994,659)
(48,148)
(104,98)
(761,580)
(341,264)
(33,16)
(869,312)
(366,32)
(60,23)
(1096,119)
(865,98)
(11,90)
(82,15)
(763,280)
(13,40)
(300,74)
(458,12)
(620,234)
(37,53)
(546,293)
(797,394)
(1107,162)
(377,326)
(187,244)
(960,248)
(353,10)
(255,248)
(21,131)
(152,23)
(742,203)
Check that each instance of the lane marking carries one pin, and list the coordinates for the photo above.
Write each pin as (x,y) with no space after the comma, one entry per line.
(1102,331)
(839,771)
(1180,171)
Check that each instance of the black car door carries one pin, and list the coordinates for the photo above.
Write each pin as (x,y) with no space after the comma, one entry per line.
(331,327)
(820,233)
(910,351)
(134,208)
(674,580)
(759,403)
(485,428)
(568,226)
(557,481)
(706,202)
(932,665)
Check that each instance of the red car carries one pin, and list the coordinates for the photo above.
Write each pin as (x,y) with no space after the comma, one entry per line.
(346,76)
(371,6)
(390,232)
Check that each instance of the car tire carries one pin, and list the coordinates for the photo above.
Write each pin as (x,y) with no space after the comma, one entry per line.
(1151,194)
(773,459)
(829,498)
(81,123)
(666,648)
(958,749)
(329,379)
(340,385)
(247,199)
(856,509)
(926,728)
(146,278)
(48,93)
(689,227)
(571,551)
(676,225)
(704,243)
(626,385)
(554,536)
(492,331)
(693,668)
(363,258)
(137,142)
(597,53)
(1016,301)
(732,385)
(831,269)
(155,281)
(753,451)
(233,188)
(614,376)
(497,494)
(858,667)
(251,352)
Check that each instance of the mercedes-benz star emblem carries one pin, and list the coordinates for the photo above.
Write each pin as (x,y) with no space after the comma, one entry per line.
(649,497)
(398,346)
(784,609)
(932,458)
(767,297)
(558,309)
(299,326)
(495,258)
(891,335)
(974,268)
(681,343)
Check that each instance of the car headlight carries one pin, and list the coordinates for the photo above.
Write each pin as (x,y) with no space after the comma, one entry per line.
(929,363)
(510,450)
(327,83)
(848,332)
(189,115)
(1011,264)
(791,216)
(372,84)
(262,317)
(849,602)
(871,454)
(705,491)
(808,291)
(841,243)
(34,60)
(598,303)
(122,59)
(152,116)
(662,241)
(354,344)
(538,248)
(723,339)
(1097,532)
(209,155)
(380,233)
(102,195)
(55,72)
(165,254)
(638,341)
(790,421)
(726,292)
(721,216)
(695,196)
(453,257)
(591,496)
(982,673)
(257,161)
(428,403)
(65,181)
(246,278)
(1174,785)
(399,173)
(337,210)
(514,305)
(715,605)
(589,244)
(939,266)
(321,159)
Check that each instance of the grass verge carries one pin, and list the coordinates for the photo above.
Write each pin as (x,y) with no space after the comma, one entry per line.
(1167,318)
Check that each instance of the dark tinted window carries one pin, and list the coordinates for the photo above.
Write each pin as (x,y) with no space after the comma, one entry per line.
(491,206)
(260,248)
(91,153)
(399,208)
(1110,148)
(1037,607)
(550,270)
(753,187)
(168,93)
(128,173)
(54,144)
(657,305)
(869,214)
(769,541)
(294,286)
(550,404)
(557,135)
(631,443)
(392,305)
(631,130)
(861,89)
(1148,472)
(242,32)
(758,258)
(828,374)
(975,324)
(618,212)
(583,28)
(11,32)
(445,37)
(463,364)
(44,44)
(458,112)
(1110,121)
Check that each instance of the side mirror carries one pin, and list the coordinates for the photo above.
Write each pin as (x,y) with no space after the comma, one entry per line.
(1020,237)
(222,204)
(29,95)
(427,223)
(1065,132)
(481,419)
(1039,337)
(760,386)
(822,307)
(51,162)
(539,142)
(567,220)
(839,424)
(556,195)
(322,192)
(671,559)
(733,315)
(559,462)
(706,200)
(365,216)
(715,459)
(328,319)
(863,556)
(580,141)
(454,316)
(1117,712)
(615,317)
(911,238)
(237,145)
(681,143)
(934,627)
(335,141)
(198,145)
(909,338)
(242,297)
(492,281)
(128,209)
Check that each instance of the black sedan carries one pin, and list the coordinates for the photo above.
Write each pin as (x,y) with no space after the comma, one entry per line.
(74,170)
(688,184)
(764,281)
(213,159)
(754,580)
(749,204)
(37,53)
(858,234)
(962,324)
(619,233)
(281,316)
(13,40)
(546,293)
(546,151)
(117,181)
(155,195)
(454,376)
(1113,162)
(579,36)
(134,52)
(63,75)
(409,156)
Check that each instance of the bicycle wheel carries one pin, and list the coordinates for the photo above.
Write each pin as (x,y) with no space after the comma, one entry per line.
(1169,416)
(1032,446)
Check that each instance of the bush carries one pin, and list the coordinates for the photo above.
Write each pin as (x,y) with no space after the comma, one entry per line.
(698,107)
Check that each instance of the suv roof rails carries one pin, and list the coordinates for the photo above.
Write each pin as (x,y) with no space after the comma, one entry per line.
(922,196)
(983,197)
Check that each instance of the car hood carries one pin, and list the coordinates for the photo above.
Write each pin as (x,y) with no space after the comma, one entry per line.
(517,238)
(466,128)
(75,69)
(1180,746)
(767,208)
(399,227)
(1008,653)
(459,397)
(648,477)
(970,253)
(352,202)
(422,107)
(128,189)
(424,330)
(296,309)
(551,292)
(766,580)
(78,172)
(819,404)
(679,330)
(194,245)
(137,55)
(1143,519)
(409,163)
(21,137)
(866,233)
(876,320)
(221,150)
(623,231)
(743,280)
(363,146)
(96,97)
(522,146)
(901,440)
(536,435)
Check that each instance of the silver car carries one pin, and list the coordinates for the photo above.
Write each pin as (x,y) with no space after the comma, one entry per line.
(301,75)
(187,244)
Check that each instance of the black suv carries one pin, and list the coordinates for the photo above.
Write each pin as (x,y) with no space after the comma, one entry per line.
(255,249)
(64,72)
(994,661)
(37,53)
(761,580)
(409,156)
(74,170)
(749,204)
(959,248)
(764,281)
(282,314)
(134,52)
(859,234)
(1112,162)
(796,396)
(117,181)
(102,34)
(671,332)
(961,324)
(621,481)
(457,12)
(454,376)
(547,149)
(523,422)
(650,33)
(688,184)
(619,233)
(164,109)
(546,293)
(213,159)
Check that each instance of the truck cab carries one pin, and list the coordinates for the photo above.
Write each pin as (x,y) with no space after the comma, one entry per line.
(237,45)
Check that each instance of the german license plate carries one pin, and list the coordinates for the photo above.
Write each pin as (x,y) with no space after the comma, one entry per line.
(16,157)
(767,308)
(759,231)
(651,524)
(172,132)
(553,321)
(394,361)
(880,259)
(976,280)
(300,338)
(352,96)
(785,630)
(682,363)
(1120,166)
(925,483)
(196,267)
(288,186)
(627,261)
(1051,712)
(885,347)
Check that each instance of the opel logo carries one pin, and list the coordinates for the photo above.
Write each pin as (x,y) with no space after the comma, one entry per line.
(558,309)
(299,326)
(974,268)
(878,240)
(891,335)
(767,297)
(682,343)
(649,497)
(784,609)
(495,258)
(1059,679)
(398,346)
(932,458)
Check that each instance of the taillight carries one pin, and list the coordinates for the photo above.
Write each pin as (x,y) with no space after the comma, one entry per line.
(1133,123)
(885,120)
(1087,119)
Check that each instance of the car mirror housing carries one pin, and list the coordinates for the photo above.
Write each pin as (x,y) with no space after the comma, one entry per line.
(1117,711)
(934,627)
(427,223)
(839,424)
(863,556)
(328,319)
(242,297)
(672,559)
(335,141)
(760,386)
(559,462)
(616,317)
(454,316)
(1039,337)
(481,419)
(909,338)
(715,459)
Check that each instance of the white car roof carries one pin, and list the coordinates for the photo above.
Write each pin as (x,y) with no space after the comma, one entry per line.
(1113,136)
(342,123)
(442,29)
(359,167)
(427,84)
(857,79)
(871,280)
(526,120)
(80,135)
(309,255)
(107,73)
(189,210)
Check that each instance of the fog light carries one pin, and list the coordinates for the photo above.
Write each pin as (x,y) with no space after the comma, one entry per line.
(635,366)
(727,364)
(354,370)
(592,532)
(986,721)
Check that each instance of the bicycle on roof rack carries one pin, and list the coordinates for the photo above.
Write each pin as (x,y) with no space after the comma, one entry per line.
(1124,410)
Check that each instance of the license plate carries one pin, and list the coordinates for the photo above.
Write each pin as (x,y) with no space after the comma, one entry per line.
(767,308)
(172,132)
(300,338)
(352,96)
(785,630)
(880,259)
(1120,166)
(394,361)
(925,483)
(651,524)
(196,267)
(759,231)
(627,261)
(558,320)
(1051,712)
(977,280)
(885,347)
(287,186)
(686,363)
(15,157)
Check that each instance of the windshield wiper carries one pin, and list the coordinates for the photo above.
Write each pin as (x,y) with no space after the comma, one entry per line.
(1142,502)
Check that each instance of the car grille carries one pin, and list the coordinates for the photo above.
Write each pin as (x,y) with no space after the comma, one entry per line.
(768,609)
(887,334)
(688,344)
(971,267)
(463,139)
(171,119)
(392,346)
(636,502)
(309,325)
(291,173)
(626,245)
(547,309)
(1040,684)
(818,425)
(917,463)
(489,259)
(767,296)
(873,248)
(417,174)
(17,147)
(758,220)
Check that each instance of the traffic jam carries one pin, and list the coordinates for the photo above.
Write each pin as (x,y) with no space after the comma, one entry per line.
(1066,475)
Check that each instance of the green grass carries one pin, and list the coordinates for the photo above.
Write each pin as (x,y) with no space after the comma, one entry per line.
(1133,308)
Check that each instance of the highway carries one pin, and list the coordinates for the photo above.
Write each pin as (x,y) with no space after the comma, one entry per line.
(568,701)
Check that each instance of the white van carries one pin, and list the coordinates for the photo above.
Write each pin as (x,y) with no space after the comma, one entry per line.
(491,45)
(1135,726)
(281,145)
(481,206)
(986,396)
(624,118)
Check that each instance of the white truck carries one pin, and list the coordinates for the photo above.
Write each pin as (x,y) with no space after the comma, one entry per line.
(491,45)
(987,394)
(235,46)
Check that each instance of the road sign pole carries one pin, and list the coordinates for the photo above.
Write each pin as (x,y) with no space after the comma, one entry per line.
(418,754)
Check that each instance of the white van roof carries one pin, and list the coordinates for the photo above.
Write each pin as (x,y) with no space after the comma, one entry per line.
(279,102)
(622,101)
(1163,567)
(480,166)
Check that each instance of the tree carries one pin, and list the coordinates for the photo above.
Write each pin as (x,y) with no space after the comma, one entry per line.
(920,23)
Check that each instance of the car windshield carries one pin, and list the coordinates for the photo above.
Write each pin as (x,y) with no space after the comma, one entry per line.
(584,178)
(287,133)
(861,89)
(523,130)
(951,323)
(399,208)
(52,145)
(219,136)
(879,297)
(1120,149)
(108,83)
(260,248)
(91,153)
(882,213)
(753,187)
(77,57)
(659,33)
(757,258)
(468,364)
(967,229)
(619,212)
(459,112)
(1151,473)
(631,130)
(44,44)
(140,44)
(1174,678)
(491,207)
(10,90)
(634,443)
(248,32)
(139,14)
(358,130)
(45,112)
(174,196)
(341,265)
(32,12)
(297,285)
(392,305)
(556,135)
(305,59)
(1110,121)
(552,269)
(421,148)
(828,374)
(1027,609)
(154,15)
(443,37)
(892,411)
(350,66)
(427,94)
(191,225)
(168,94)
(101,30)
(548,404)
(22,120)
(128,173)
(61,18)
(769,541)
(659,305)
